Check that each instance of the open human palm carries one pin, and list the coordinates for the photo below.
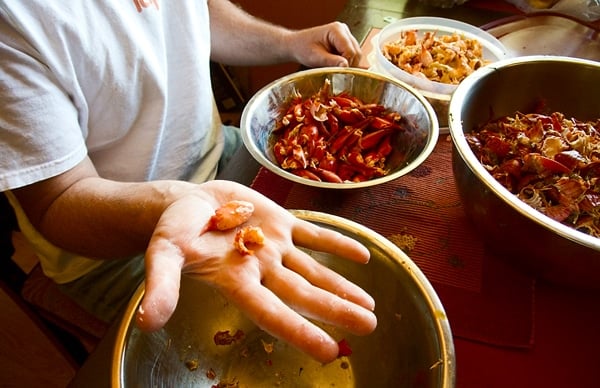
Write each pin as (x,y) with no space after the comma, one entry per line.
(278,286)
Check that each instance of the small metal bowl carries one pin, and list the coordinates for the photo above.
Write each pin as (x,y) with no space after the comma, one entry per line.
(411,346)
(411,148)
(513,229)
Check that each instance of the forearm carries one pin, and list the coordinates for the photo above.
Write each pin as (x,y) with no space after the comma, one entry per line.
(238,38)
(105,219)
(85,214)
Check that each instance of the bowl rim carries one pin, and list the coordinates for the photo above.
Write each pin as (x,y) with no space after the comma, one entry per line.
(433,23)
(268,164)
(458,138)
(433,302)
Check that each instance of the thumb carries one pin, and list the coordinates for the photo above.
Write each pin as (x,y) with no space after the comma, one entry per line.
(163,277)
(336,60)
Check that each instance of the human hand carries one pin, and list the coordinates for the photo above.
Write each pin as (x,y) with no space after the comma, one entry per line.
(277,287)
(327,45)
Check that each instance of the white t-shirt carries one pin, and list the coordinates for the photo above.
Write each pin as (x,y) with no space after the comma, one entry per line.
(126,82)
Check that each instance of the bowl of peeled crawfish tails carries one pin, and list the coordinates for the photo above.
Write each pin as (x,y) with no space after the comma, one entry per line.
(339,128)
(526,161)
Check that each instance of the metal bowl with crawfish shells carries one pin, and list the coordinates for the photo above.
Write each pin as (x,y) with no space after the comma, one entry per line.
(412,345)
(526,162)
(339,128)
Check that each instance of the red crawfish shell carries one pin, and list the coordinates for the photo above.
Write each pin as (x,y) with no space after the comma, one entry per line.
(590,203)
(573,188)
(558,212)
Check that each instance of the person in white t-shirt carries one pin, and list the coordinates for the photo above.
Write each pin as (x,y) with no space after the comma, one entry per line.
(110,144)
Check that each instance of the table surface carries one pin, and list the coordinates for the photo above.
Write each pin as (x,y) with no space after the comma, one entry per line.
(563,339)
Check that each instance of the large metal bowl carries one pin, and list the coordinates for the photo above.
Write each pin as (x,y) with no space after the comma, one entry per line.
(411,346)
(411,147)
(514,230)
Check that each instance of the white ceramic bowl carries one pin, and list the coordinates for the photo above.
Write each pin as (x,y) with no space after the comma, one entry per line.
(437,93)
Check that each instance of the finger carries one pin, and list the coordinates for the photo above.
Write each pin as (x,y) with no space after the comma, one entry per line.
(163,274)
(164,260)
(319,304)
(269,313)
(331,59)
(327,279)
(340,47)
(354,56)
(309,235)
(345,44)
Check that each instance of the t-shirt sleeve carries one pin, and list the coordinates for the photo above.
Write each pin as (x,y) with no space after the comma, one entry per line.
(40,134)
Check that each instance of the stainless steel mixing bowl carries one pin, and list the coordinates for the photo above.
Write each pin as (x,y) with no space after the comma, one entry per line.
(512,229)
(411,346)
(411,147)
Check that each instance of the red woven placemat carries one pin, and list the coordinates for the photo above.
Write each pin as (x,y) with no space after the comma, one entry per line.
(485,298)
